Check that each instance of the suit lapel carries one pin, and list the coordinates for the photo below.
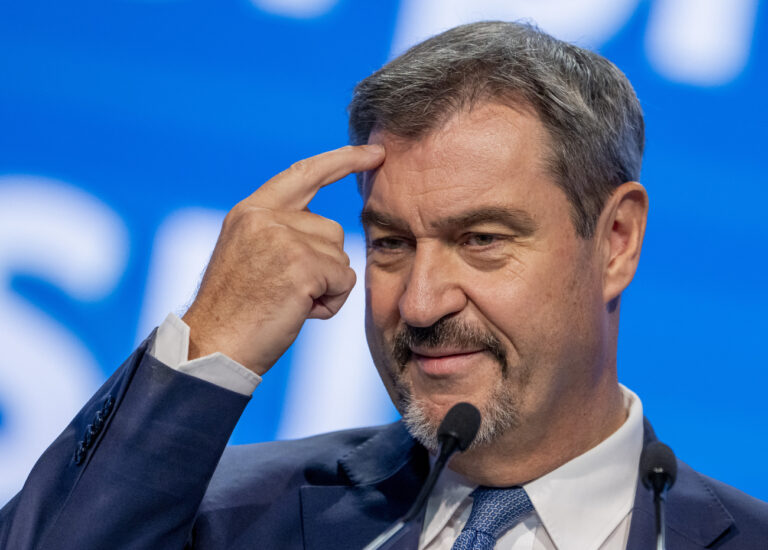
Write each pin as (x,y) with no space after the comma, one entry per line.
(695,516)
(385,473)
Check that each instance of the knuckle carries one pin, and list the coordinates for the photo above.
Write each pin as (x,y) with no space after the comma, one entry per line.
(235,213)
(302,167)
(336,231)
(244,216)
(312,286)
(352,277)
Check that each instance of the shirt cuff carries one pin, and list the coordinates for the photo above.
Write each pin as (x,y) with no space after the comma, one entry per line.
(171,347)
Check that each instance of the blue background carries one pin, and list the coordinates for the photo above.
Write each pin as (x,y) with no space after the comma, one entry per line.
(157,107)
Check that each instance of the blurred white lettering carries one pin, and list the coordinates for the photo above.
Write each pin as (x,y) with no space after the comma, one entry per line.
(697,42)
(588,23)
(701,42)
(61,234)
(299,9)
(180,254)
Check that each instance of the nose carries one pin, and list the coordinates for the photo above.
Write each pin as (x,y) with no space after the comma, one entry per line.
(432,289)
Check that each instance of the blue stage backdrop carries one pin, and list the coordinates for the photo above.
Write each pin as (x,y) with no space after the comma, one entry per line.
(128,129)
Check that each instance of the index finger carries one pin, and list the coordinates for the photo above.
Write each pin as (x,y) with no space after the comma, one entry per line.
(295,187)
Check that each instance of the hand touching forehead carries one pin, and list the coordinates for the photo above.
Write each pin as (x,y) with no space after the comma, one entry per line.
(276,264)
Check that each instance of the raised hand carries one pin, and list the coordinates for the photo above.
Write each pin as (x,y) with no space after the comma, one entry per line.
(276,264)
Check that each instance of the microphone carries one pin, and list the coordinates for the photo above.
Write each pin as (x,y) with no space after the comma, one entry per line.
(658,468)
(456,432)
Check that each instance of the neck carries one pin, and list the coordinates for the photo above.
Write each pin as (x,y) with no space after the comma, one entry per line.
(541,445)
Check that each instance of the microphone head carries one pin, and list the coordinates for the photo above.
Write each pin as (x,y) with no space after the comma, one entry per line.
(658,466)
(461,424)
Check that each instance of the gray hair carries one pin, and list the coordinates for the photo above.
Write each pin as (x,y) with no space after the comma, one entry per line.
(585,102)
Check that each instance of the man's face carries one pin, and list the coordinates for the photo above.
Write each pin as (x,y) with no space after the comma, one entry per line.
(478,288)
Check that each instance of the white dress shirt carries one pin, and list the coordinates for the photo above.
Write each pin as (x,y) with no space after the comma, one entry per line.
(171,347)
(585,504)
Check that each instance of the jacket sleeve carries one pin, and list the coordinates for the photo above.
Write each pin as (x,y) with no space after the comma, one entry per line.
(131,469)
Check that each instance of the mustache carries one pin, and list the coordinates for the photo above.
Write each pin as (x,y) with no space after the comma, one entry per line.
(447,332)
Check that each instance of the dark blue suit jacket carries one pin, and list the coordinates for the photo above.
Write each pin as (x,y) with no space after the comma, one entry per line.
(139,467)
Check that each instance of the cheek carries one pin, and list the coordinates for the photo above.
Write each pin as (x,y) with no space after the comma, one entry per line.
(536,307)
(517,295)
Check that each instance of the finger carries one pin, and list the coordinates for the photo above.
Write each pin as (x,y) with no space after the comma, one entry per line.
(330,277)
(313,224)
(325,248)
(329,304)
(326,307)
(295,187)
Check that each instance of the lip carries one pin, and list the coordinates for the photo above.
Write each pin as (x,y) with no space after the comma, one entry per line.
(444,363)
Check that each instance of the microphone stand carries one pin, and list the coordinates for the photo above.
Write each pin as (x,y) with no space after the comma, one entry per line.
(658,468)
(659,501)
(448,447)
(456,432)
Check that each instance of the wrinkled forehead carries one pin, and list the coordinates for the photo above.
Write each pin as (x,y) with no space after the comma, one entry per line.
(485,167)
(476,151)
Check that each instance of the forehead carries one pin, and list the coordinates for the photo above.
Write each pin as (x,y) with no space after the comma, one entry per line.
(490,155)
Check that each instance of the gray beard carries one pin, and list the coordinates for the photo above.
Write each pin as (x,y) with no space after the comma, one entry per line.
(500,414)
(501,411)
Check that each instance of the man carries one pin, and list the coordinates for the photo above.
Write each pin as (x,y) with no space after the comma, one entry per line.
(503,218)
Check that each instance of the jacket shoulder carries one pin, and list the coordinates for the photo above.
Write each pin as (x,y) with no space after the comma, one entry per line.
(247,471)
(750,514)
(716,515)
(255,492)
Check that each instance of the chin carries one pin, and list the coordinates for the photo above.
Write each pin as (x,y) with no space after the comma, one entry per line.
(500,415)
(421,423)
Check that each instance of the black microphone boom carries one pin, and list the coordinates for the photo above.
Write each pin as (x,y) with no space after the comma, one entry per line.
(658,468)
(456,432)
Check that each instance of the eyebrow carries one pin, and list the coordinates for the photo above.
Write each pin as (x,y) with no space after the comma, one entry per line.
(370,217)
(517,220)
(514,218)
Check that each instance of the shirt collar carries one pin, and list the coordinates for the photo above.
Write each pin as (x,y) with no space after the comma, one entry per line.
(584,500)
(581,502)
(448,495)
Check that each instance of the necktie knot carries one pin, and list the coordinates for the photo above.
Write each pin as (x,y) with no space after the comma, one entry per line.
(494,511)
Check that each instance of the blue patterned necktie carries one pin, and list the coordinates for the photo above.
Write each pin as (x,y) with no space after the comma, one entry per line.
(494,511)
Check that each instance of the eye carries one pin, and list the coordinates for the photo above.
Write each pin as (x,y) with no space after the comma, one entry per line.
(481,239)
(388,244)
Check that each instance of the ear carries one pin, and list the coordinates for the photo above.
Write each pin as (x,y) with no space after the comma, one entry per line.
(620,232)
